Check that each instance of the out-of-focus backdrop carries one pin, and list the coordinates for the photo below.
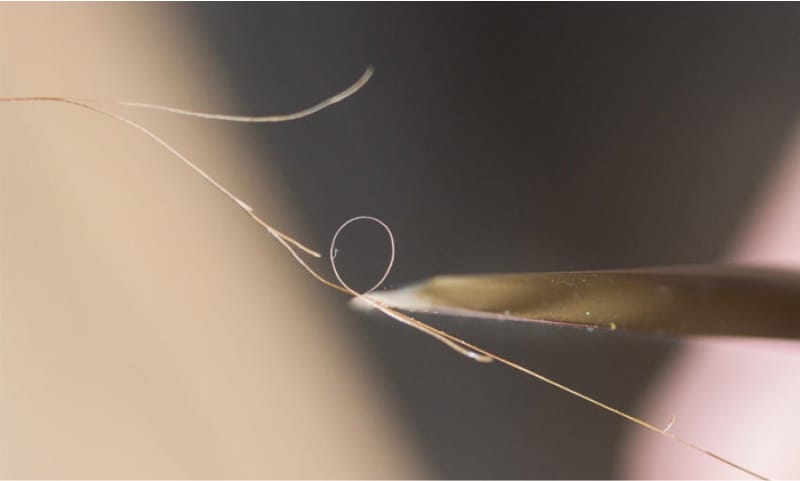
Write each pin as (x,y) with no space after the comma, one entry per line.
(148,329)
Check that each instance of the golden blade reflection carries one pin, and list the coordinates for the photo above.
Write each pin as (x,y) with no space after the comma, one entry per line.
(717,300)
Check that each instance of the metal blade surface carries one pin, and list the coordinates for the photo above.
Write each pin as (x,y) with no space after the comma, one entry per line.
(717,300)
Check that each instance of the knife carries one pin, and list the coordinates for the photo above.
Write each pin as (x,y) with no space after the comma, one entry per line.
(702,300)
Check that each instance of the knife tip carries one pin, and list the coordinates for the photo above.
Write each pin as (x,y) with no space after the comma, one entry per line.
(401,298)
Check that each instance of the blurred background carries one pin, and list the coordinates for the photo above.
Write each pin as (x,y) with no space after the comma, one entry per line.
(491,139)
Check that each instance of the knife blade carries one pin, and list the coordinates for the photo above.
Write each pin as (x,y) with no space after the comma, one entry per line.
(707,300)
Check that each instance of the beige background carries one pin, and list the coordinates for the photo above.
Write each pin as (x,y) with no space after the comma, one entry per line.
(147,327)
